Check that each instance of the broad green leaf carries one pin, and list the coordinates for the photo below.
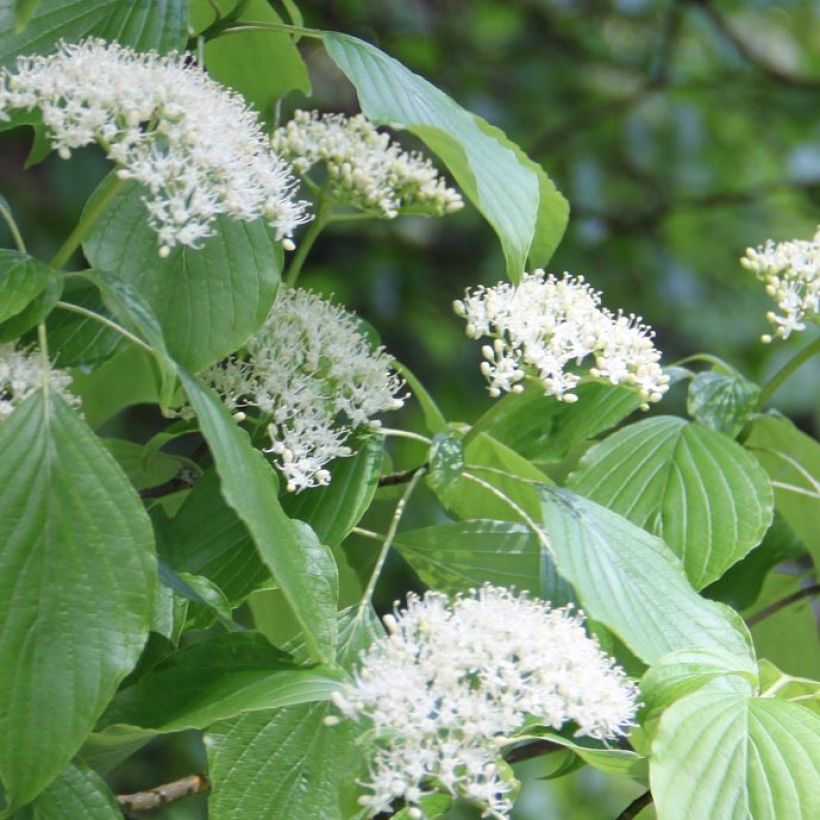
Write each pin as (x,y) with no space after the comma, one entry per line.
(212,606)
(332,511)
(71,524)
(632,582)
(143,470)
(127,378)
(684,671)
(34,313)
(287,762)
(22,278)
(544,429)
(79,340)
(513,193)
(696,489)
(792,461)
(740,586)
(466,554)
(131,312)
(303,568)
(720,754)
(214,679)
(776,683)
(446,462)
(262,65)
(513,480)
(158,25)
(206,537)
(722,401)
(433,417)
(77,792)
(208,301)
(23,9)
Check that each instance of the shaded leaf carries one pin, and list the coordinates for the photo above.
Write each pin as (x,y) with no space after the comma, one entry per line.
(22,278)
(77,792)
(722,401)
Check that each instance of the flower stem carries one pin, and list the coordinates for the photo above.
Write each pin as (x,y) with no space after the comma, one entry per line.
(307,242)
(388,541)
(5,212)
(95,208)
(797,361)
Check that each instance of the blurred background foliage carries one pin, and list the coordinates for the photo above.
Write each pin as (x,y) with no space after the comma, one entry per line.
(681,132)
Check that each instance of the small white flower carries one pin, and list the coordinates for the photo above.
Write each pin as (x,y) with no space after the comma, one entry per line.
(22,373)
(314,373)
(195,146)
(544,324)
(791,273)
(364,168)
(452,682)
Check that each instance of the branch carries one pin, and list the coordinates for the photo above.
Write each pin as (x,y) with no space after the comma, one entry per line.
(755,60)
(160,795)
(530,750)
(636,806)
(401,477)
(771,609)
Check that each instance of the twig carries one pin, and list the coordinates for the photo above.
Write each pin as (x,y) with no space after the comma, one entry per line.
(636,806)
(773,72)
(530,750)
(160,795)
(400,477)
(771,609)
(168,488)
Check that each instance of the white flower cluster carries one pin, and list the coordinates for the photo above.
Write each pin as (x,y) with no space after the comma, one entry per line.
(195,146)
(791,273)
(453,682)
(22,372)
(311,368)
(365,169)
(543,324)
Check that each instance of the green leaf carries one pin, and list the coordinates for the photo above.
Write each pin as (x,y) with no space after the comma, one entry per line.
(212,605)
(507,472)
(684,671)
(618,762)
(22,278)
(466,554)
(287,762)
(131,311)
(128,377)
(696,489)
(262,65)
(545,429)
(78,340)
(513,193)
(206,537)
(333,510)
(34,313)
(77,792)
(446,462)
(792,461)
(720,754)
(158,25)
(143,470)
(722,401)
(632,582)
(72,525)
(208,301)
(303,568)
(214,679)
(23,9)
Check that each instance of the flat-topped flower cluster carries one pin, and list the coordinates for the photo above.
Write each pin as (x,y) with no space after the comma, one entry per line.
(544,324)
(22,372)
(453,681)
(791,273)
(365,169)
(194,145)
(314,372)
